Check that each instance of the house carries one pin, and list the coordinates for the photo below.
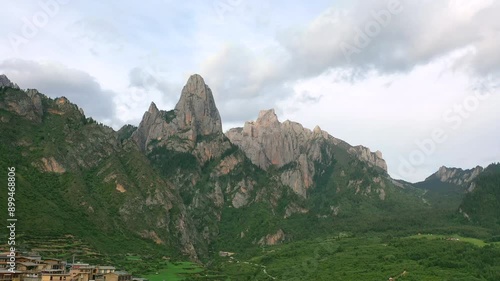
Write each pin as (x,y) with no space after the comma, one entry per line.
(82,272)
(6,275)
(4,260)
(104,269)
(29,267)
(101,270)
(54,266)
(118,276)
(47,276)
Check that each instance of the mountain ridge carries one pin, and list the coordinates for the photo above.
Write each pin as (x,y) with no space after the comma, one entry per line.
(178,181)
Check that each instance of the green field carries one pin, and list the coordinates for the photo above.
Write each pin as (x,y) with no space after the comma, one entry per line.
(373,258)
(174,271)
(455,237)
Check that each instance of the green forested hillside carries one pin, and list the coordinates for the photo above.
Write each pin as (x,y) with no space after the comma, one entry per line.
(482,205)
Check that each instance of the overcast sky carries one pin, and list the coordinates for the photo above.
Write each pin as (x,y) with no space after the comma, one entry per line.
(417,80)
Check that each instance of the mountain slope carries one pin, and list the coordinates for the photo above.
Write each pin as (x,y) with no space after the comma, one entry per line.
(76,177)
(447,187)
(482,205)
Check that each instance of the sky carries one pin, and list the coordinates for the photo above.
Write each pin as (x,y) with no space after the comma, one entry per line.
(416,80)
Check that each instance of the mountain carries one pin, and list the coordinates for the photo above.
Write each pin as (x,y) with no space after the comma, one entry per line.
(194,124)
(177,184)
(455,176)
(482,204)
(266,182)
(446,188)
(294,149)
(76,177)
(5,82)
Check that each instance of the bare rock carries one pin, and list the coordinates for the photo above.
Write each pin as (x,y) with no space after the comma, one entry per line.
(293,149)
(196,108)
(50,165)
(373,158)
(5,82)
(272,239)
(193,126)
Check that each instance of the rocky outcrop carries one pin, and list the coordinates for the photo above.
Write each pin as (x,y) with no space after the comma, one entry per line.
(5,82)
(457,176)
(193,126)
(27,104)
(196,109)
(293,149)
(272,239)
(50,165)
(373,158)
(268,142)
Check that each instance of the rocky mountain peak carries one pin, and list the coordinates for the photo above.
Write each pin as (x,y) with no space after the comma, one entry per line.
(267,118)
(183,128)
(5,82)
(267,142)
(195,84)
(457,176)
(196,108)
(152,108)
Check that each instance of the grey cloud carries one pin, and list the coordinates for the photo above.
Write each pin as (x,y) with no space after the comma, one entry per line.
(56,80)
(149,79)
(141,78)
(421,32)
(243,83)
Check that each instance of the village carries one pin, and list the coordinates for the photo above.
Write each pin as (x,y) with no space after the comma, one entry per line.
(31,267)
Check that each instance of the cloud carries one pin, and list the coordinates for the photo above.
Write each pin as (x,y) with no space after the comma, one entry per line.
(396,35)
(244,81)
(99,35)
(395,42)
(56,80)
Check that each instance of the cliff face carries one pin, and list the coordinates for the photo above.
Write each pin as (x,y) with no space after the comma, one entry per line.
(193,126)
(373,158)
(457,176)
(268,142)
(196,109)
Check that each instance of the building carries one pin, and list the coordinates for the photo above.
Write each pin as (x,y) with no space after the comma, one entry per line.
(6,275)
(101,270)
(118,276)
(55,277)
(104,269)
(82,272)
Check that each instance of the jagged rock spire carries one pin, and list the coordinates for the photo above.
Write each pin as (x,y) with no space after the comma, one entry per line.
(196,108)
(195,115)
